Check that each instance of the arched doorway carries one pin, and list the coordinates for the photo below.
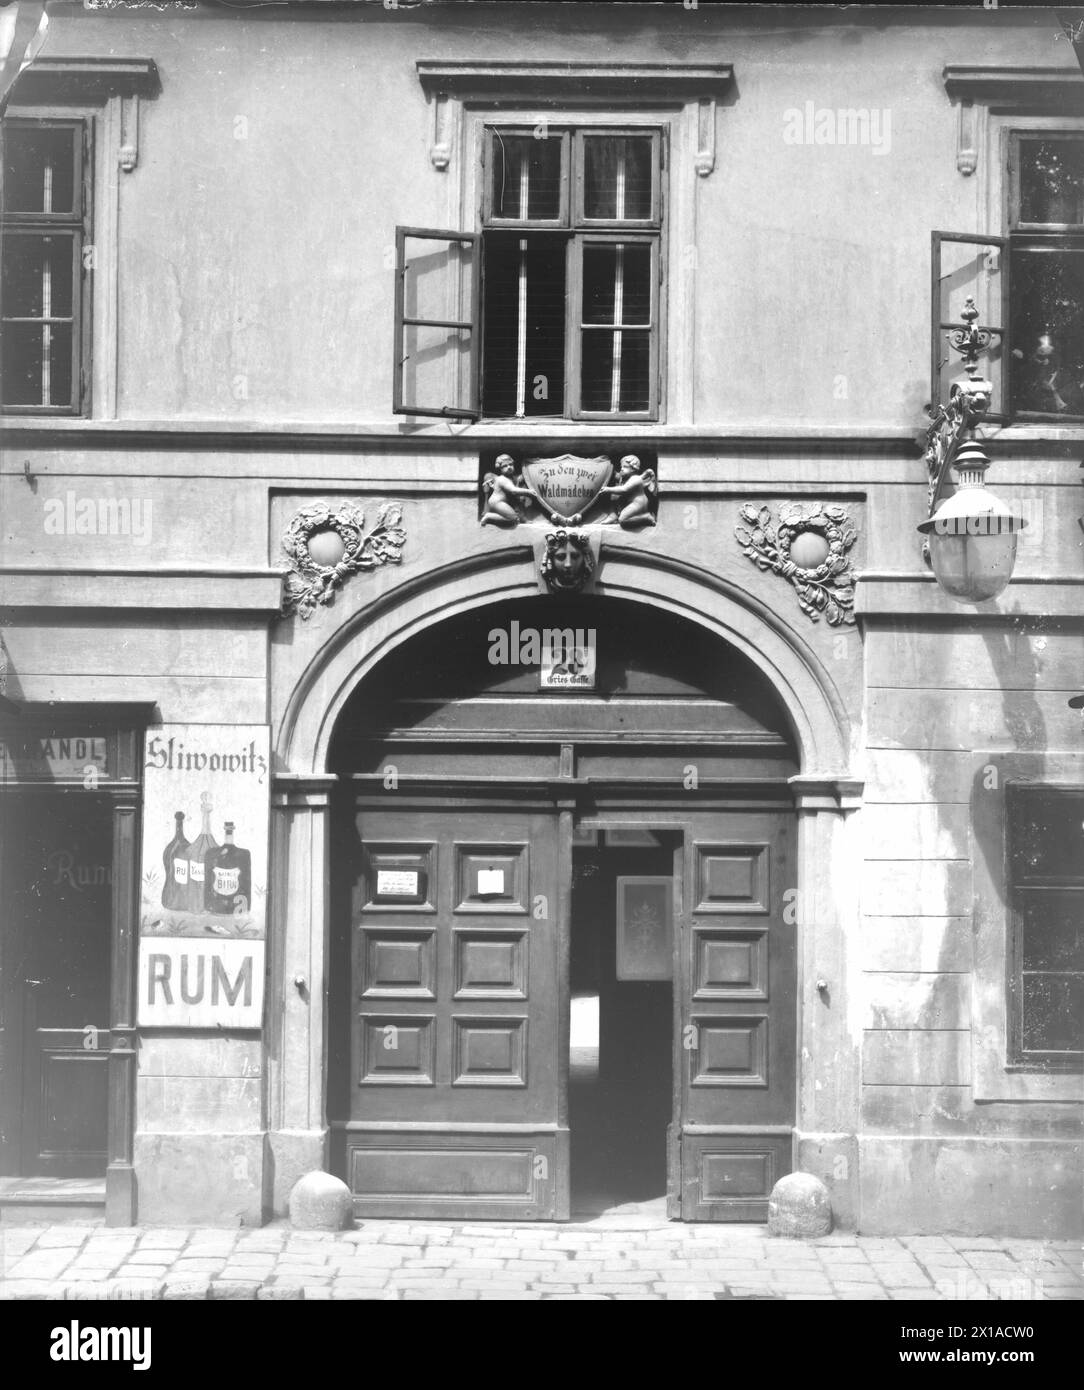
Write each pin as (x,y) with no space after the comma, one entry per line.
(561,965)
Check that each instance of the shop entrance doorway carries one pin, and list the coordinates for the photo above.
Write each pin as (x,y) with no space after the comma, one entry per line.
(620,1072)
(564,975)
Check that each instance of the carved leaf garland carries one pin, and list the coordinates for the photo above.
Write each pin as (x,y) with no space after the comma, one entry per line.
(826,589)
(308,583)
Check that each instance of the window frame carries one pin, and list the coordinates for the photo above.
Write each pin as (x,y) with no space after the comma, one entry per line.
(938,325)
(575,124)
(575,327)
(490,221)
(78,224)
(1018,792)
(992,1077)
(1032,236)
(473,325)
(580,220)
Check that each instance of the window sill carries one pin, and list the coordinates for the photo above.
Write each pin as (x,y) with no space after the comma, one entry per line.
(1033,431)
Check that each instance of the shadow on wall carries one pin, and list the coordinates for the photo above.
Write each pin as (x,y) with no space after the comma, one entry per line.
(1016,665)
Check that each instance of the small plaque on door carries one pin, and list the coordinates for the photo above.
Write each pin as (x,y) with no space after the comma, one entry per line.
(397,883)
(490,882)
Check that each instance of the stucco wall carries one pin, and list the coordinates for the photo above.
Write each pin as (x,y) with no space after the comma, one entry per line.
(255,294)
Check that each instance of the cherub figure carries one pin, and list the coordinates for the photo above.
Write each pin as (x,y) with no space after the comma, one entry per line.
(635,487)
(503,491)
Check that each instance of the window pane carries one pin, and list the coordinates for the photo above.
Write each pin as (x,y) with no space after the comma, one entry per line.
(1052,181)
(969,270)
(617,284)
(616,370)
(37,364)
(1053,930)
(526,180)
(1048,330)
(1047,834)
(524,335)
(617,176)
(1053,1013)
(39,169)
(37,276)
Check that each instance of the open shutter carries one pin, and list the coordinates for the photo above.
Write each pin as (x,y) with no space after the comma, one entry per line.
(966,266)
(437,323)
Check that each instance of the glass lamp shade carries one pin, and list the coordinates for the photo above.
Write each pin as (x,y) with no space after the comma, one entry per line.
(972,539)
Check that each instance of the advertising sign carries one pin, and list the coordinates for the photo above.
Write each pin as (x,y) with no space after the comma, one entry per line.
(203,900)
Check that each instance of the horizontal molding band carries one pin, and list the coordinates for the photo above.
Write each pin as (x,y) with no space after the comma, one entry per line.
(218,591)
(409,1127)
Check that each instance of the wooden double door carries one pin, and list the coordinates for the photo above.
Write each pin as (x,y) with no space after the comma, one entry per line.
(452,1093)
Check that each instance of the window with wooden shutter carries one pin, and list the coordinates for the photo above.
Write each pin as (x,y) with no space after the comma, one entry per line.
(436,353)
(571,254)
(1028,287)
(977,268)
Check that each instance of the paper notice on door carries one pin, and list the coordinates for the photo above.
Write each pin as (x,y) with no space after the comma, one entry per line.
(490,882)
(397,883)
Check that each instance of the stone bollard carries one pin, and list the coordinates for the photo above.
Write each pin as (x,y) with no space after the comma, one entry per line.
(799,1207)
(319,1202)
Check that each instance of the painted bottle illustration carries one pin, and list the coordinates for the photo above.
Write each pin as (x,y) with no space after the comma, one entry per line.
(175,859)
(228,877)
(198,851)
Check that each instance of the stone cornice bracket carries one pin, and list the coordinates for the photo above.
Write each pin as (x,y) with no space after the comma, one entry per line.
(93,82)
(976,90)
(816,792)
(450,84)
(705,128)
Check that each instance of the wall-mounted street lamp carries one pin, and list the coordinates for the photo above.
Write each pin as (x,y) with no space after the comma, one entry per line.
(970,534)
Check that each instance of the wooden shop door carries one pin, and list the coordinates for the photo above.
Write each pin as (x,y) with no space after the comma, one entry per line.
(453,1070)
(56,975)
(737,1015)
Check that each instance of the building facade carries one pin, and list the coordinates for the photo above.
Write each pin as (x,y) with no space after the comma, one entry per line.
(477,718)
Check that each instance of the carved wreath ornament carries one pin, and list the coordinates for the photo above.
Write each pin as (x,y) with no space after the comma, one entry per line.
(809,548)
(324,545)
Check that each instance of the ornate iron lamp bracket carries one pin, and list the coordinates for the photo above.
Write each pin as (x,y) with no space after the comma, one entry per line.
(969,400)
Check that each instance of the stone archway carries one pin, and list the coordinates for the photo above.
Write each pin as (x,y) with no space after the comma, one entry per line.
(826,910)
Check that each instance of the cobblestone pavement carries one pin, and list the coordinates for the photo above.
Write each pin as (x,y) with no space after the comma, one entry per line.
(605,1257)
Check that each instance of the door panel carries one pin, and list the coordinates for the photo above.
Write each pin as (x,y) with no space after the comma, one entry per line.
(453,1104)
(738,1008)
(57,933)
(66,1102)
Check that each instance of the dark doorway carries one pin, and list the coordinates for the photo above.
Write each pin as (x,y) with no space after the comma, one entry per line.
(57,929)
(621,1029)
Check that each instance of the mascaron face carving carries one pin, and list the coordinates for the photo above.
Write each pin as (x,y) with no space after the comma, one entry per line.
(568,563)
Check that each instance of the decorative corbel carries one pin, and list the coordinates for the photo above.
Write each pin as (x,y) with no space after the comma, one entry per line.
(705,136)
(967,150)
(128,154)
(440,148)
